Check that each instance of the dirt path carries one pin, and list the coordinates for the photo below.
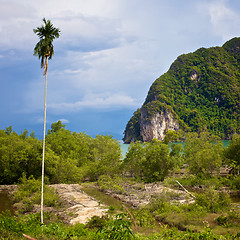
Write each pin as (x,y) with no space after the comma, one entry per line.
(81,206)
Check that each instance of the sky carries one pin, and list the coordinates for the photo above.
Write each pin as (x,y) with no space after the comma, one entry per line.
(108,55)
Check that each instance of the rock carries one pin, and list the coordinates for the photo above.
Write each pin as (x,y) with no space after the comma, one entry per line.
(82,206)
(157,125)
(147,124)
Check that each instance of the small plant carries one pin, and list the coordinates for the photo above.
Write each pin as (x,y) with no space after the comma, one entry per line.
(111,209)
(96,222)
(28,194)
(145,219)
(118,228)
(223,220)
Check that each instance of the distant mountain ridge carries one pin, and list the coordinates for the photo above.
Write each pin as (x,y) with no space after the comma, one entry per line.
(200,91)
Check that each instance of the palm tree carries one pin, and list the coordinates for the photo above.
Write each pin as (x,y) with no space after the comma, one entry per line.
(44,50)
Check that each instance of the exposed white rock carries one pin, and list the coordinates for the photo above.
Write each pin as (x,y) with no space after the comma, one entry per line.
(83,206)
(157,125)
(194,76)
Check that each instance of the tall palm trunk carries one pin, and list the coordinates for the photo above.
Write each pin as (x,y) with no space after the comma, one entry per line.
(44,133)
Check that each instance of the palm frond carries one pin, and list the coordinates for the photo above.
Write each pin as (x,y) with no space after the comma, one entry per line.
(44,48)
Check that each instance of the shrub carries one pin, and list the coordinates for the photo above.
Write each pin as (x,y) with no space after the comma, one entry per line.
(29,193)
(118,228)
(213,201)
(96,222)
(111,183)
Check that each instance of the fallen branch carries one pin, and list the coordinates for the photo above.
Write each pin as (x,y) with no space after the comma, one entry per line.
(185,189)
(131,216)
(28,237)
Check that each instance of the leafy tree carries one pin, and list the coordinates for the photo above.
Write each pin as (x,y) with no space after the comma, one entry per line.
(134,159)
(44,50)
(71,150)
(202,153)
(8,130)
(171,136)
(232,153)
(157,162)
(69,144)
(105,157)
(150,161)
(55,127)
(177,155)
(18,155)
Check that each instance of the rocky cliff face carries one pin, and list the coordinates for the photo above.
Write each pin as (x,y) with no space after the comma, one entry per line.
(148,125)
(157,125)
(199,92)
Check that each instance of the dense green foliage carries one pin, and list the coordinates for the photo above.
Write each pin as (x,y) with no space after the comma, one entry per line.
(202,154)
(18,154)
(232,153)
(70,157)
(114,228)
(150,161)
(201,89)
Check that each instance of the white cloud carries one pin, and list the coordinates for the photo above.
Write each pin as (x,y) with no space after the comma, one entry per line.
(223,18)
(103,101)
(49,121)
(79,21)
(64,120)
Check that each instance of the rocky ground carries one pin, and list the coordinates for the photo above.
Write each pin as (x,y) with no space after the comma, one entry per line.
(80,206)
(139,195)
(8,188)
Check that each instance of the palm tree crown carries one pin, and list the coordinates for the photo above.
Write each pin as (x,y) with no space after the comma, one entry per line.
(44,48)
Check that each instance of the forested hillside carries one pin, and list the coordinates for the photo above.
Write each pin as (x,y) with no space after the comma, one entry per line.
(201,90)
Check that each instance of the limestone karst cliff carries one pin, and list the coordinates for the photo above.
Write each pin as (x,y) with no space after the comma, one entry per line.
(201,90)
(156,125)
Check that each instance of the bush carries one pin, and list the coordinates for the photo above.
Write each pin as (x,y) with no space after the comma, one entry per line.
(29,193)
(96,222)
(118,228)
(111,183)
(213,201)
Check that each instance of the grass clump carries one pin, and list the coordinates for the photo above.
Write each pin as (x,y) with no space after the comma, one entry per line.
(213,201)
(29,194)
(113,183)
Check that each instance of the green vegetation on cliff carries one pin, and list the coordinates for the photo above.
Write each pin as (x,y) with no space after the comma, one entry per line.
(202,89)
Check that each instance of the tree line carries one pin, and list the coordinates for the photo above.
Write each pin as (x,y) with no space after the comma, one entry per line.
(74,157)
(70,156)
